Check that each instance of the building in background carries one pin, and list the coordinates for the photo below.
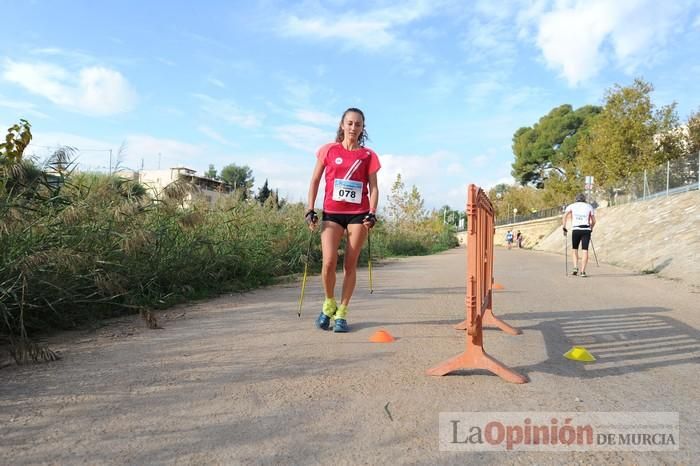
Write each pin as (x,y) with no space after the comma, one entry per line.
(207,188)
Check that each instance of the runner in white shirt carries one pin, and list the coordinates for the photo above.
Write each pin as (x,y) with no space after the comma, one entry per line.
(582,217)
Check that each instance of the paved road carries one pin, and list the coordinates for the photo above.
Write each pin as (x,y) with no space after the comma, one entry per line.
(240,379)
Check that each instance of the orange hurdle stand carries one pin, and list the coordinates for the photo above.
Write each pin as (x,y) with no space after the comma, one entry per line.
(479,297)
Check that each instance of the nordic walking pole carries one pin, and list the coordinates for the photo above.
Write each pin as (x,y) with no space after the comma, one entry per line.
(306,270)
(594,254)
(566,255)
(369,259)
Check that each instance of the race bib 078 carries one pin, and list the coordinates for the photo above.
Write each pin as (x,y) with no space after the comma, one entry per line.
(347,191)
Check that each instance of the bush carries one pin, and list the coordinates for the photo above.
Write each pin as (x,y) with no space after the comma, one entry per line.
(95,246)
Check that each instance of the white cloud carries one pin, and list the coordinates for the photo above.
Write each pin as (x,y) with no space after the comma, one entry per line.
(91,90)
(429,173)
(445,83)
(73,55)
(291,178)
(482,86)
(216,136)
(94,154)
(216,82)
(364,33)
(303,137)
(370,30)
(22,108)
(316,118)
(480,160)
(490,41)
(579,38)
(228,111)
(166,152)
(296,93)
(165,61)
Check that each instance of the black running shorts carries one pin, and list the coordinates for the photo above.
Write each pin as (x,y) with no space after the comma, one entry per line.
(345,219)
(582,237)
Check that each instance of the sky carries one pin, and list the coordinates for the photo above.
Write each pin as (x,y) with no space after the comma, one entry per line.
(443,84)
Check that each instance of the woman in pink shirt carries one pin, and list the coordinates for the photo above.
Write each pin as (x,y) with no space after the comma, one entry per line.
(349,205)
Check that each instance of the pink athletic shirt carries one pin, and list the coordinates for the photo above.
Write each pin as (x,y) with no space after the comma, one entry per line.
(347,176)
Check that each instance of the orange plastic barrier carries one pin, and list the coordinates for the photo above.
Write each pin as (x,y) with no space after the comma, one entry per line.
(480,231)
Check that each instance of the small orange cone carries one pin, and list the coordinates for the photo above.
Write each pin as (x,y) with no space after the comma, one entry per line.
(498,286)
(381,336)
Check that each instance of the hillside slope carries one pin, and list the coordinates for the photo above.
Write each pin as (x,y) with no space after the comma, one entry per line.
(656,236)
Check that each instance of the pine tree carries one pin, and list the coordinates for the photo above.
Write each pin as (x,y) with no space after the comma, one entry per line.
(263,193)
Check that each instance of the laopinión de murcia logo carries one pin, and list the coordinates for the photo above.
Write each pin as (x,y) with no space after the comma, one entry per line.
(567,431)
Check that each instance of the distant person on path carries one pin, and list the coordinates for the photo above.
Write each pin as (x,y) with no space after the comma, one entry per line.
(519,239)
(349,205)
(509,239)
(582,217)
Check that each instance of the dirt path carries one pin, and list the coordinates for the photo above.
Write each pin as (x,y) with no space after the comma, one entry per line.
(241,379)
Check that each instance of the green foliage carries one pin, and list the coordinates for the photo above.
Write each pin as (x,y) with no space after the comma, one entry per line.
(693,141)
(241,178)
(99,248)
(405,207)
(525,199)
(409,230)
(17,139)
(263,193)
(450,216)
(96,246)
(211,172)
(550,145)
(629,136)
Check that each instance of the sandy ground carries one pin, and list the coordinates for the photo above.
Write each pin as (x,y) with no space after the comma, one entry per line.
(241,380)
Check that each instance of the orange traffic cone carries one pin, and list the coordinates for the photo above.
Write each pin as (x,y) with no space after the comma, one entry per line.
(381,336)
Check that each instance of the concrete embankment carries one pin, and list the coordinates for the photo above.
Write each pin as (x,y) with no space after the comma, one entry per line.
(659,236)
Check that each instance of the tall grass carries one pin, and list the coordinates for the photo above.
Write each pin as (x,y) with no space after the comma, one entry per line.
(93,246)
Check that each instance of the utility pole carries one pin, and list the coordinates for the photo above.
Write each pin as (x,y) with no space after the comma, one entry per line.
(110,162)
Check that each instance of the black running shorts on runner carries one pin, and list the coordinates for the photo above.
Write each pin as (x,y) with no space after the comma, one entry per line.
(582,237)
(346,219)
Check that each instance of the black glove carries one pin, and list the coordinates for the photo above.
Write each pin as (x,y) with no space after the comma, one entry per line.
(311,217)
(565,230)
(371,219)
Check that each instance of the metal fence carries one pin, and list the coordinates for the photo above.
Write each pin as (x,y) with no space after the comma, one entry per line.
(673,177)
(544,213)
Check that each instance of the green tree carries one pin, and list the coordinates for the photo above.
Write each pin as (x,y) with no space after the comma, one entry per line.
(263,193)
(211,172)
(405,208)
(415,209)
(525,199)
(693,141)
(17,139)
(449,215)
(550,145)
(396,201)
(13,169)
(629,136)
(241,178)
